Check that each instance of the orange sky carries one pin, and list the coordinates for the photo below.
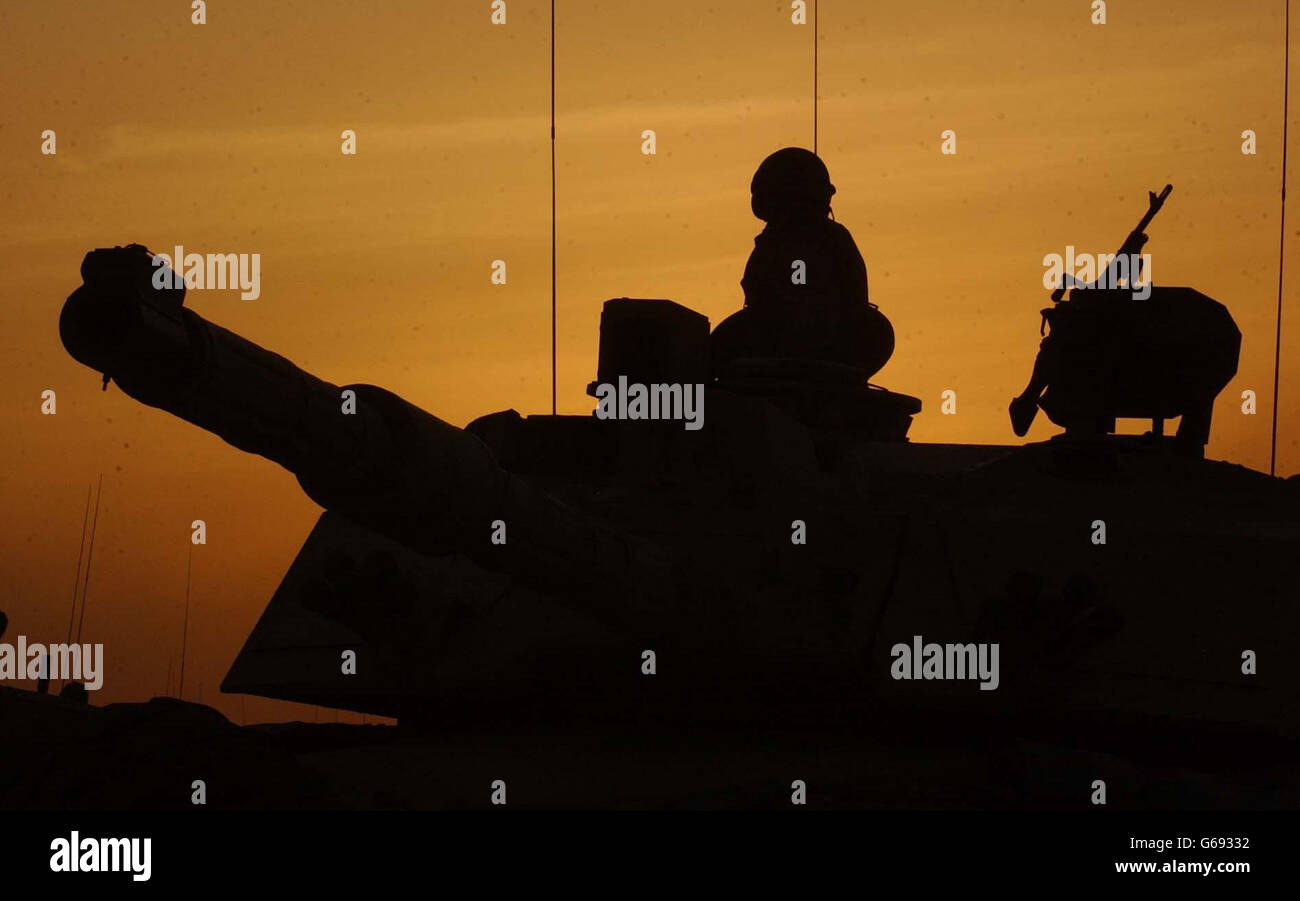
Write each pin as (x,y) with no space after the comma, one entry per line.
(225,138)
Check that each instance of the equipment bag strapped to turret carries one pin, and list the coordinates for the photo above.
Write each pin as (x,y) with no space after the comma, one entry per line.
(1169,355)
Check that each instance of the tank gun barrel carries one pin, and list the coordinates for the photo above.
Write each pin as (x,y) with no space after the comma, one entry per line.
(169,357)
(371,456)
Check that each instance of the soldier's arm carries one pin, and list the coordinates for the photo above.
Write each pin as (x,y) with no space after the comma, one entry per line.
(757,282)
(853,269)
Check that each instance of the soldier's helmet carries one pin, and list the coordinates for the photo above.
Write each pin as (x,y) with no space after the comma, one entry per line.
(791,182)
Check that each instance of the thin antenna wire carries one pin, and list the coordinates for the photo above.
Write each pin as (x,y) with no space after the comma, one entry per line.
(90,556)
(814,76)
(1281,251)
(552,207)
(185,629)
(76,582)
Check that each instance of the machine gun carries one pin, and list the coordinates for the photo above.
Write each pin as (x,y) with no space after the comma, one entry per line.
(1132,244)
(1109,358)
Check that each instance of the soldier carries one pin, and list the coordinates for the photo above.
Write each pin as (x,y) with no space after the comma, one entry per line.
(805,283)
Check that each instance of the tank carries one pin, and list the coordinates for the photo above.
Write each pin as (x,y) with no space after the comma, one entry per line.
(788,555)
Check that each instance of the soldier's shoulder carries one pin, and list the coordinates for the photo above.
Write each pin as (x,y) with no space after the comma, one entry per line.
(839,229)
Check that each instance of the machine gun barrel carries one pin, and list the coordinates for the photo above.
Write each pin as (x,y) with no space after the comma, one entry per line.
(1155,203)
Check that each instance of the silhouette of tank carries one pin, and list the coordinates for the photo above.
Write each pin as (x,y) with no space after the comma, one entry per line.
(774,566)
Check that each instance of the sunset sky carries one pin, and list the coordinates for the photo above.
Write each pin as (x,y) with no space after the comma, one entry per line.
(225,137)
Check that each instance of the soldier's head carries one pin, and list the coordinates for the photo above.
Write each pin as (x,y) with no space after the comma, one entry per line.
(792,183)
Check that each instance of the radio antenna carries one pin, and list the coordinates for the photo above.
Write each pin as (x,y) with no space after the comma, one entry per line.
(553,207)
(81,555)
(1281,249)
(90,556)
(814,29)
